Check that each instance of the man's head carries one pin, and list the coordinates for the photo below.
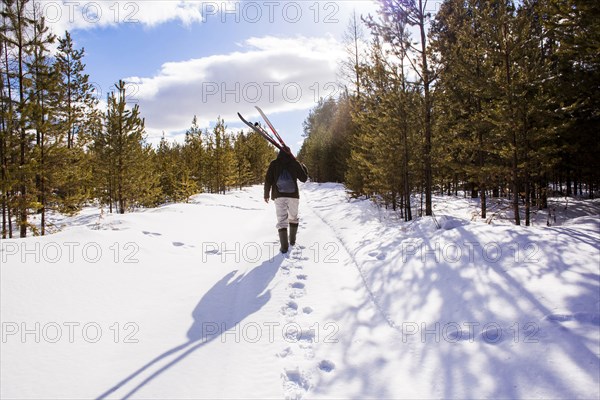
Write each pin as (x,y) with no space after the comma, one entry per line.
(284,152)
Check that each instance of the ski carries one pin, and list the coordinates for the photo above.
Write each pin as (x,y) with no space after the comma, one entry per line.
(260,131)
(263,115)
(281,145)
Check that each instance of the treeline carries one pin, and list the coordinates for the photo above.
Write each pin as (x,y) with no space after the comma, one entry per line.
(495,98)
(59,151)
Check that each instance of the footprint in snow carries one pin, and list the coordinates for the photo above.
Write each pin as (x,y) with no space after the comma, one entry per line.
(285,352)
(285,269)
(151,233)
(290,309)
(295,383)
(301,277)
(297,258)
(307,310)
(306,336)
(302,336)
(326,366)
(377,255)
(297,290)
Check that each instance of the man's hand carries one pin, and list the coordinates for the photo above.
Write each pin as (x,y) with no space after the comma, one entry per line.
(267,200)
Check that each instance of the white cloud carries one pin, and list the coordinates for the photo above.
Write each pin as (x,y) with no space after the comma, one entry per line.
(278,74)
(64,15)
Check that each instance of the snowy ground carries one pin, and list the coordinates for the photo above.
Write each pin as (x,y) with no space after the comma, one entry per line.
(192,301)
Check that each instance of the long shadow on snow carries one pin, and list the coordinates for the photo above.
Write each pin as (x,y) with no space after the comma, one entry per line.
(226,304)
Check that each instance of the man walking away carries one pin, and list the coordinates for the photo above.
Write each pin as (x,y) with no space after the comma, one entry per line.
(281,185)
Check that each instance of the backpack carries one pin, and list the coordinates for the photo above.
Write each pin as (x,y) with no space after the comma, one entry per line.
(285,182)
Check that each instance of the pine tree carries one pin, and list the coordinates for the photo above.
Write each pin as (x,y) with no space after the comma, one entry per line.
(220,160)
(77,93)
(175,179)
(123,158)
(167,169)
(572,32)
(385,128)
(7,133)
(16,29)
(317,148)
(460,39)
(186,186)
(395,16)
(42,101)
(243,168)
(77,110)
(260,155)
(536,134)
(194,154)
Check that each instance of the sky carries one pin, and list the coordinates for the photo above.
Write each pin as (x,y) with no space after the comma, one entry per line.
(211,59)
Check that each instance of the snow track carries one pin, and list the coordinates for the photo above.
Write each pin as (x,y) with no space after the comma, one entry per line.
(299,355)
(350,253)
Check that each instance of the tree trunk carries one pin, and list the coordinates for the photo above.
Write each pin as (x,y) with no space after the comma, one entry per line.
(23,133)
(7,129)
(427,109)
(481,161)
(527,201)
(9,217)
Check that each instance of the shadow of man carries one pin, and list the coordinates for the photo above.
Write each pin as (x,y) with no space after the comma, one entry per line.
(225,305)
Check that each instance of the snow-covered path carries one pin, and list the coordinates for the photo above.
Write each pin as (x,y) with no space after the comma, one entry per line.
(194,301)
(183,301)
(258,331)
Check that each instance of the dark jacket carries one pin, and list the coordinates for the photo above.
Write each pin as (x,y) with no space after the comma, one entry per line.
(295,168)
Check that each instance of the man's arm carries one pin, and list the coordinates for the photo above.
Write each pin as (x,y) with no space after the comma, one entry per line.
(301,171)
(268,182)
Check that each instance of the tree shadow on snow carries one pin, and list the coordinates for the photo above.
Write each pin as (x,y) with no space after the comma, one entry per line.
(516,357)
(225,305)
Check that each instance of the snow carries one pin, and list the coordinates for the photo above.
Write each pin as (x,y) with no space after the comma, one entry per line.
(193,301)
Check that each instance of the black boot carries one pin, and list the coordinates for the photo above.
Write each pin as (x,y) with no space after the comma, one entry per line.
(283,239)
(293,231)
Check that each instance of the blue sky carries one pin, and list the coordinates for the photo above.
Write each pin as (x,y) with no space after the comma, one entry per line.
(211,58)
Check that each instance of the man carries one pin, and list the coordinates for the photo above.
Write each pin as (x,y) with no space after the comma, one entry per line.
(282,186)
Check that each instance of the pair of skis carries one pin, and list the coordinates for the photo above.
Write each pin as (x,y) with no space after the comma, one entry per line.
(276,141)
